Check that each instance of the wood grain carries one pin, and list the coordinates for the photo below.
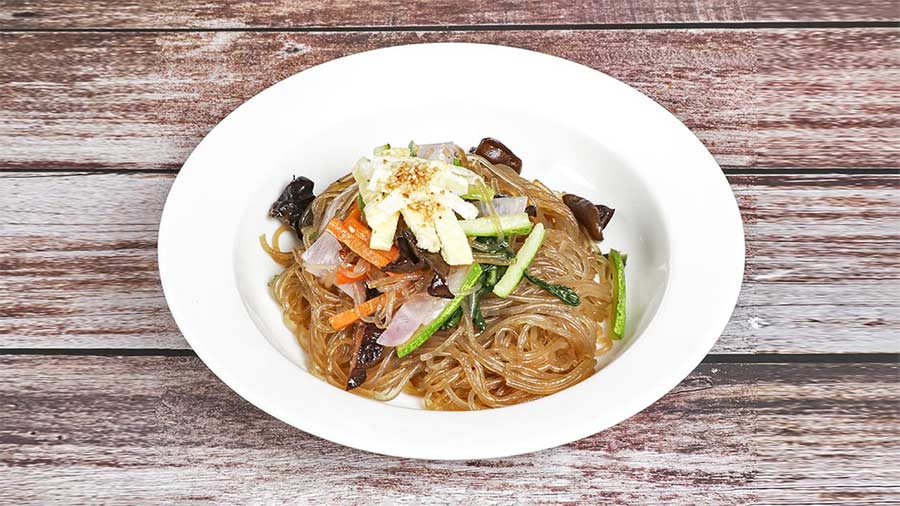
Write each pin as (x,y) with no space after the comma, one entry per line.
(116,430)
(78,253)
(757,98)
(78,263)
(56,14)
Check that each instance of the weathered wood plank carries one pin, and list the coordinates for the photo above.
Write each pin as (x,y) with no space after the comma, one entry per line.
(109,429)
(56,14)
(756,98)
(816,228)
(78,267)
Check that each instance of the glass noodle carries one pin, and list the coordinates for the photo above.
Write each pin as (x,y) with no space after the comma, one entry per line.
(533,344)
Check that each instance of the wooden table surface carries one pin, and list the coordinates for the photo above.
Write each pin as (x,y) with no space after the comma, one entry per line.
(102,401)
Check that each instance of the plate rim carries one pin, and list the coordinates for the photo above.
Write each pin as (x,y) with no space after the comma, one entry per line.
(654,389)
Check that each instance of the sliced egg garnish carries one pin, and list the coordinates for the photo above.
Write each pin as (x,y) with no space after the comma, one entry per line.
(426,193)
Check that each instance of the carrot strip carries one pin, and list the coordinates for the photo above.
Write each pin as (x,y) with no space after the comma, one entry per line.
(355,225)
(345,274)
(355,213)
(355,235)
(351,316)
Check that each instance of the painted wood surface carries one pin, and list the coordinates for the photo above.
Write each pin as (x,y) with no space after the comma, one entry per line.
(798,98)
(102,101)
(78,263)
(62,14)
(120,430)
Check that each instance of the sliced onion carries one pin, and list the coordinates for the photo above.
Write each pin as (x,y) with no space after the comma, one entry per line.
(356,291)
(505,205)
(415,312)
(456,278)
(323,256)
(444,152)
(360,268)
(335,204)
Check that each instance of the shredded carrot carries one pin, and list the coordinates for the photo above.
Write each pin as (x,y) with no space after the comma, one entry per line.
(355,213)
(351,316)
(355,235)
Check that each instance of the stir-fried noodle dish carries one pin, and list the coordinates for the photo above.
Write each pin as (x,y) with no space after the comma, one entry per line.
(448,276)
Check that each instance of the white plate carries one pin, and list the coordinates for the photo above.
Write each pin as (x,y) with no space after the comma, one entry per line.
(576,129)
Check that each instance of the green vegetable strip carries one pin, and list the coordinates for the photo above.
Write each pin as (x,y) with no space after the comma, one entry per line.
(477,317)
(426,331)
(617,323)
(493,245)
(490,277)
(561,292)
(524,256)
(518,223)
(479,191)
(453,321)
(488,280)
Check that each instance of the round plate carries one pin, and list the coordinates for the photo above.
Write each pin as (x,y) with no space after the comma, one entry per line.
(576,129)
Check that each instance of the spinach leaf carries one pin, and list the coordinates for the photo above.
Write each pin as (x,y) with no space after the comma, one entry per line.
(562,292)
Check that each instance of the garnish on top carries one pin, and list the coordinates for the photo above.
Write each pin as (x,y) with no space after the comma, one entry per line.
(426,192)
